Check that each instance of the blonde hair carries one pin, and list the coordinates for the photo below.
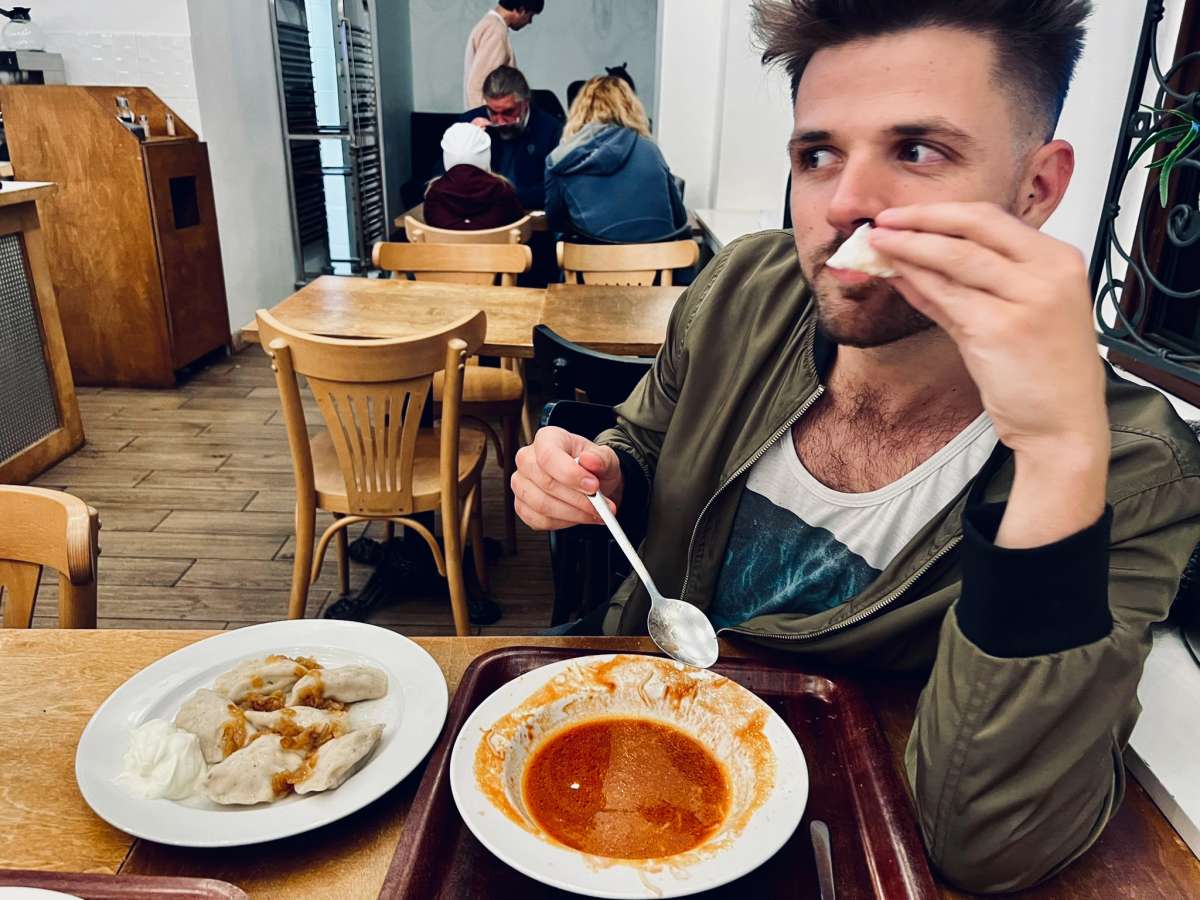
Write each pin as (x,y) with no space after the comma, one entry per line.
(609,100)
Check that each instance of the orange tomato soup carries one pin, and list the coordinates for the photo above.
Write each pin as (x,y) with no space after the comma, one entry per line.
(626,788)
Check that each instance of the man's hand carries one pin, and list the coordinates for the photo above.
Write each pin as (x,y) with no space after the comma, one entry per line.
(1017,304)
(481,122)
(551,488)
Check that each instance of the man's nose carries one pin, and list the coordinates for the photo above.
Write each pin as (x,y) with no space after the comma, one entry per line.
(861,194)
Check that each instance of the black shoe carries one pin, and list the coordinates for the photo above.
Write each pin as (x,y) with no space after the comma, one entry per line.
(356,607)
(483,611)
(366,551)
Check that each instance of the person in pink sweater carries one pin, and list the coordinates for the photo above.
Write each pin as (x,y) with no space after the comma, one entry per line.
(489,46)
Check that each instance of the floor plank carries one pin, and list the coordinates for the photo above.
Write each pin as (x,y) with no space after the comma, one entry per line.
(166,545)
(154,497)
(199,521)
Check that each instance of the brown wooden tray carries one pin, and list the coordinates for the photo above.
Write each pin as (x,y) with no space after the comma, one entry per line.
(115,887)
(853,787)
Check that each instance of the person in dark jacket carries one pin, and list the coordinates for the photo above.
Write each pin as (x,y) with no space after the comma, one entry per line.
(608,180)
(469,197)
(522,135)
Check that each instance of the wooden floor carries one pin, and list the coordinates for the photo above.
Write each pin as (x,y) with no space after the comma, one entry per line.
(194,490)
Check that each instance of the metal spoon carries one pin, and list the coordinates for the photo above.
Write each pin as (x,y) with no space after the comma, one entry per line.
(681,630)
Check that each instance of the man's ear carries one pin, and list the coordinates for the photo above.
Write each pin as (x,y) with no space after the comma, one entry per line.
(1047,175)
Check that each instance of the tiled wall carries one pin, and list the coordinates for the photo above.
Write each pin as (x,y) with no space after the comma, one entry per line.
(161,62)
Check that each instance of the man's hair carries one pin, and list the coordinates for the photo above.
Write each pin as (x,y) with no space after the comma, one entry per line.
(1038,42)
(533,6)
(503,81)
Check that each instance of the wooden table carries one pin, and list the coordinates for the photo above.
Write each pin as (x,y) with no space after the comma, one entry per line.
(629,321)
(52,681)
(337,306)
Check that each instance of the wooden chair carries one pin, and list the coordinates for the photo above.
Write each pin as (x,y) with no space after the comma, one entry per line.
(455,263)
(40,528)
(487,392)
(626,264)
(517,232)
(373,460)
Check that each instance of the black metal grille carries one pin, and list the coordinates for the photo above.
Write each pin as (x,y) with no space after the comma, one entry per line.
(27,409)
(1151,290)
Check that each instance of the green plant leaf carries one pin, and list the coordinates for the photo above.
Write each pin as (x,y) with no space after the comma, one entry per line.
(1178,113)
(1152,140)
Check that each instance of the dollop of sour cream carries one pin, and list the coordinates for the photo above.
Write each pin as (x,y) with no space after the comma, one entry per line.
(162,761)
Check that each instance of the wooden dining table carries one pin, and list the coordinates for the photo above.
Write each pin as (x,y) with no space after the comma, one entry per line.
(629,321)
(52,681)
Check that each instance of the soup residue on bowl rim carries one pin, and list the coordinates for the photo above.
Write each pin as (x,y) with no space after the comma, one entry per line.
(723,717)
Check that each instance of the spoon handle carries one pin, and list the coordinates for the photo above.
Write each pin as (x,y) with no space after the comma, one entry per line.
(618,534)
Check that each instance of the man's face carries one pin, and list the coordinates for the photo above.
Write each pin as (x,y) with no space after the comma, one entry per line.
(507,115)
(909,118)
(524,17)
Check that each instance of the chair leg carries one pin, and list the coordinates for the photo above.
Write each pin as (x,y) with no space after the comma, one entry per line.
(477,552)
(76,604)
(343,559)
(306,527)
(453,532)
(508,462)
(389,531)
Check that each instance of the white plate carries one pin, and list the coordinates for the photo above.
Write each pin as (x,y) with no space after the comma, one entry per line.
(24,893)
(412,713)
(718,862)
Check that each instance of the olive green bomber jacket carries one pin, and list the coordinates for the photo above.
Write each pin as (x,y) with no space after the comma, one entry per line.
(1035,655)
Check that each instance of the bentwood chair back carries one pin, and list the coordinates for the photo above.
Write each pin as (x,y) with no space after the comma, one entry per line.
(625,264)
(517,232)
(40,528)
(455,263)
(487,392)
(373,461)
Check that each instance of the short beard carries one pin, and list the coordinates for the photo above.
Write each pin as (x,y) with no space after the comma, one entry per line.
(879,314)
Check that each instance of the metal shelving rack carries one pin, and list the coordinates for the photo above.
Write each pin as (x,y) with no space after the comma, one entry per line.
(358,131)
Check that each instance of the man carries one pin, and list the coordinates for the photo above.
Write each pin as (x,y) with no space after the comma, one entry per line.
(927,470)
(522,135)
(489,46)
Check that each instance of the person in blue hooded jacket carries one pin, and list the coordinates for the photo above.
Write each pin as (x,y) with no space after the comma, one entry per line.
(608,180)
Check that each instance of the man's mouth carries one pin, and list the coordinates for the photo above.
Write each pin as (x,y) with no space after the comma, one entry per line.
(848,276)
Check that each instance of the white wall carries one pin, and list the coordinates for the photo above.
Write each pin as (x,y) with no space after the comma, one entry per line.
(235,75)
(690,91)
(134,42)
(572,39)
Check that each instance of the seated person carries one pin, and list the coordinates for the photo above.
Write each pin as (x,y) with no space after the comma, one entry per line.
(469,197)
(607,179)
(921,464)
(522,135)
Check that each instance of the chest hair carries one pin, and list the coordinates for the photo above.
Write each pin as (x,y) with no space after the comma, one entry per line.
(851,444)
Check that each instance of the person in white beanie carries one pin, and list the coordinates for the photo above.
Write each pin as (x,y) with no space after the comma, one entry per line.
(469,197)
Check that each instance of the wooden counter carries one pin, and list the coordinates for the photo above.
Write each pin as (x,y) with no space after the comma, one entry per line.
(39,415)
(131,234)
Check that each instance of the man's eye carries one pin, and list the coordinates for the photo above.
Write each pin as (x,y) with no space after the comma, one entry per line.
(920,154)
(816,159)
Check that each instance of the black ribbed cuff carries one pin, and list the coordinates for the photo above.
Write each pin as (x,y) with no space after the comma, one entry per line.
(1021,603)
(635,495)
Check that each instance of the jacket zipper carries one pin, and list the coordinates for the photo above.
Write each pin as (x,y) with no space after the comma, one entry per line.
(816,395)
(863,613)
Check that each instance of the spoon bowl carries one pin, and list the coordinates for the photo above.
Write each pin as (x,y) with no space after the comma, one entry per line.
(679,629)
